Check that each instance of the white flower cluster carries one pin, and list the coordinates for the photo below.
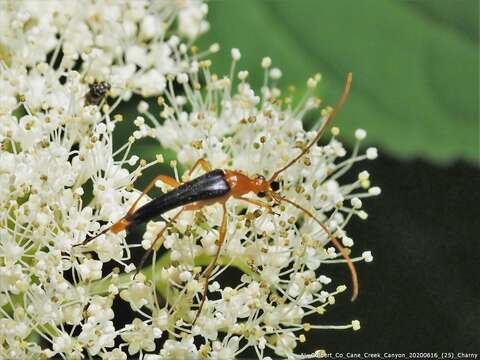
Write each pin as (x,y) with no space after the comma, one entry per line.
(133,44)
(60,176)
(278,257)
(58,180)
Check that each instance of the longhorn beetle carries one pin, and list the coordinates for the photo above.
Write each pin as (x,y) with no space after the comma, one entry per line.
(217,187)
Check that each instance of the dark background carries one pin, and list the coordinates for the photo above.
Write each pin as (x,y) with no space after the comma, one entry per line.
(421,293)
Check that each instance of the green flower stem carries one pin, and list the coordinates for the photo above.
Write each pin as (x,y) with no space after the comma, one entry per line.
(225,260)
(164,261)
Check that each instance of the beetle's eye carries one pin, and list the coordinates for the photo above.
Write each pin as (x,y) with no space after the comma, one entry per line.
(261,194)
(275,185)
(261,177)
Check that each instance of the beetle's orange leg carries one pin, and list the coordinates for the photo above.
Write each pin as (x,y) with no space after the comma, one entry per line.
(203,163)
(256,202)
(208,271)
(155,246)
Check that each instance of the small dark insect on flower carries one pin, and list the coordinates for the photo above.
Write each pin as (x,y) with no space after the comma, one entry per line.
(98,90)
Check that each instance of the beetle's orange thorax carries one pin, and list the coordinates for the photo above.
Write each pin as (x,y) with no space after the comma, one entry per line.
(241,184)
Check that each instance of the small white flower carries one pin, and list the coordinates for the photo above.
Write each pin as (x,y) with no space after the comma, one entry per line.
(184,349)
(275,73)
(115,354)
(356,203)
(360,134)
(225,351)
(367,256)
(90,270)
(138,294)
(63,343)
(266,62)
(325,280)
(236,54)
(347,241)
(284,344)
(140,336)
(372,153)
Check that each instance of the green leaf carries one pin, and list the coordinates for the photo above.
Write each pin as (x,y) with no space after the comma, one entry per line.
(414,63)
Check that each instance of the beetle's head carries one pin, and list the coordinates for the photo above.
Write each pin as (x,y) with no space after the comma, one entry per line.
(263,187)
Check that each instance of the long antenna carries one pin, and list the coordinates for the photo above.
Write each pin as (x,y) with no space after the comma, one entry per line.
(90,238)
(334,240)
(326,123)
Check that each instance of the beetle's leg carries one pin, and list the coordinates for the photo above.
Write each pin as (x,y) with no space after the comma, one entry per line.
(256,202)
(213,263)
(203,163)
(163,178)
(155,246)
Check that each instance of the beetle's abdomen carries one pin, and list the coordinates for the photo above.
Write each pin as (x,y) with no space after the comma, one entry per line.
(205,187)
